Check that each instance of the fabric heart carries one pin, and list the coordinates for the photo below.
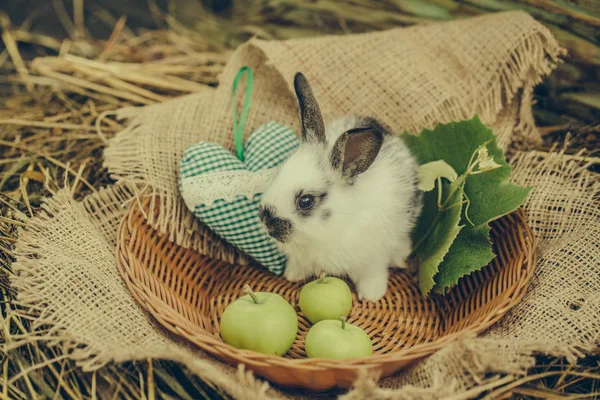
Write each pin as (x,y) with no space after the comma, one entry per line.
(224,192)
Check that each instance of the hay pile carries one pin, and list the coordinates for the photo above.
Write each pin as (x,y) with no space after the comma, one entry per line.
(56,117)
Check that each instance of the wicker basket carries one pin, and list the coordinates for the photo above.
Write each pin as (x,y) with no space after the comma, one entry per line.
(187,292)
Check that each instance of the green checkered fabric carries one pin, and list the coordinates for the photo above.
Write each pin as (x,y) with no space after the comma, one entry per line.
(236,220)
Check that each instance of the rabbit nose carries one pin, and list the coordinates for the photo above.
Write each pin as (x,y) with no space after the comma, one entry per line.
(278,228)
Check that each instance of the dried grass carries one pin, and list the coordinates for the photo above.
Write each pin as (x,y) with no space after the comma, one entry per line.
(52,130)
(56,118)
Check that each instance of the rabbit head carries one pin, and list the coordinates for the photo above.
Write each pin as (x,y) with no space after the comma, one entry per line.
(303,195)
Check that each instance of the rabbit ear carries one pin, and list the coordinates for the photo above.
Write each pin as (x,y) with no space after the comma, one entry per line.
(313,128)
(355,150)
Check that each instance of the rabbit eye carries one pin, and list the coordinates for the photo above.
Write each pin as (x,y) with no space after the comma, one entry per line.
(305,202)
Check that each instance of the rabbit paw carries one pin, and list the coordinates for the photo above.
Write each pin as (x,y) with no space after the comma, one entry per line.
(400,257)
(372,288)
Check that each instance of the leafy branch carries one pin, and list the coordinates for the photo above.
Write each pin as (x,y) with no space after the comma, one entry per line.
(464,177)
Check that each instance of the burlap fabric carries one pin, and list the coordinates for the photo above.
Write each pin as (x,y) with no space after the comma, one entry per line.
(411,78)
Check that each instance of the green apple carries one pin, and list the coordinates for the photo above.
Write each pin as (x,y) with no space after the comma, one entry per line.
(263,322)
(325,298)
(337,340)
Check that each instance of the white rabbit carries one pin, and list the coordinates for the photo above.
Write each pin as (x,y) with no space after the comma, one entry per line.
(345,202)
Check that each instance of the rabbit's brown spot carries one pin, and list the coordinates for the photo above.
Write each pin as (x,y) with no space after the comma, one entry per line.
(278,228)
(326,214)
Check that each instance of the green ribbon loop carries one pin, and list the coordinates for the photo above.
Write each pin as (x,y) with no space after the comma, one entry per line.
(238,128)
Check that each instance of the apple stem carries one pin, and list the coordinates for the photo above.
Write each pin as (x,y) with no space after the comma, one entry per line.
(343,322)
(249,291)
(322,276)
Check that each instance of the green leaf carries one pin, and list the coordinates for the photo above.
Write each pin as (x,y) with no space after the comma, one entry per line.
(471,251)
(490,196)
(454,142)
(436,230)
(430,172)
(490,193)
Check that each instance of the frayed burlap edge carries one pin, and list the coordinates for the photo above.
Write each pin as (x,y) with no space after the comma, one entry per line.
(104,210)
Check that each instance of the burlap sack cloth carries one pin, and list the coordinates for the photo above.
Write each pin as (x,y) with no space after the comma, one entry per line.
(411,79)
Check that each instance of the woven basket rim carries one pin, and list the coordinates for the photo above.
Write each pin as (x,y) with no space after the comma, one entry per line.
(146,296)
